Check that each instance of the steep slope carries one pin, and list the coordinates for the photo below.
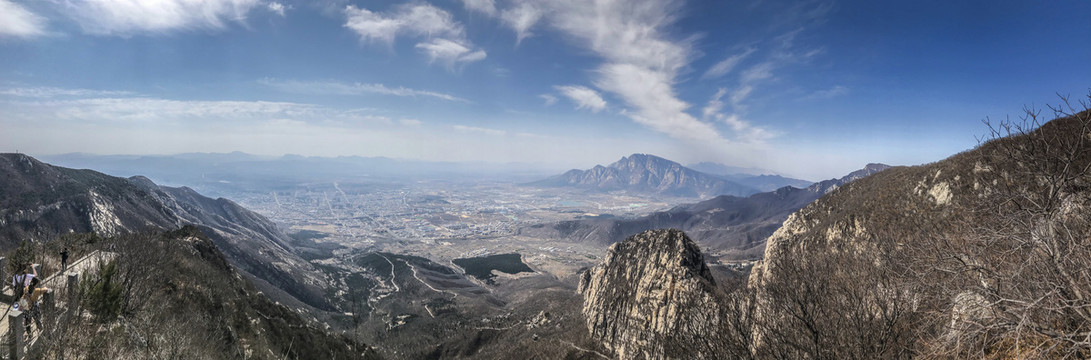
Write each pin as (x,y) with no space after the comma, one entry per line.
(39,201)
(725,223)
(981,255)
(652,294)
(648,174)
(177,297)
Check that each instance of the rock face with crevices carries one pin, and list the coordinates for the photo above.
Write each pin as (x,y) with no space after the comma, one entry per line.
(652,293)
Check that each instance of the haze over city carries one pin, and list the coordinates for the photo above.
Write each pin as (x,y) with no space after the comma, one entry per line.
(807,89)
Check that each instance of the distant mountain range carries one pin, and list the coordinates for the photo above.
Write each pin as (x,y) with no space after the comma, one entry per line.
(223,174)
(650,174)
(735,224)
(39,201)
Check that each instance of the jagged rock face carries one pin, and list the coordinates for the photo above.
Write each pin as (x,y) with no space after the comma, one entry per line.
(653,291)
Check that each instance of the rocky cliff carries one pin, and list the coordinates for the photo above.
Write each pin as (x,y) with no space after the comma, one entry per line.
(652,294)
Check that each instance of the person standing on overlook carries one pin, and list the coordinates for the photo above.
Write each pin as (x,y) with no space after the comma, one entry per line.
(64,260)
(18,285)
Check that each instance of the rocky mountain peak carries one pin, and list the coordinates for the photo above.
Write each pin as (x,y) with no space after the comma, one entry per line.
(652,291)
(648,174)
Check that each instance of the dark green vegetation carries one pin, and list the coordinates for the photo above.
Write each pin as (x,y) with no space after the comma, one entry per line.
(174,295)
(482,267)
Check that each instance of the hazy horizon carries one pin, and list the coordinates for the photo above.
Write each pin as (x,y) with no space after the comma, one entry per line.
(810,90)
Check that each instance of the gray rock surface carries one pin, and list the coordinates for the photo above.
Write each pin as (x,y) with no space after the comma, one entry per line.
(652,294)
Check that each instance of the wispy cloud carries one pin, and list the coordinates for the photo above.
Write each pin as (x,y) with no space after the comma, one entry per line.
(449,52)
(337,88)
(723,67)
(51,92)
(584,97)
(479,130)
(17,21)
(744,131)
(521,18)
(410,122)
(408,20)
(641,63)
(126,17)
(835,91)
(549,99)
(277,8)
(444,39)
(487,7)
(167,113)
(519,15)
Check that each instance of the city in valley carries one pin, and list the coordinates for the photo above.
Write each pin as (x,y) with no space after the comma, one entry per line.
(445,220)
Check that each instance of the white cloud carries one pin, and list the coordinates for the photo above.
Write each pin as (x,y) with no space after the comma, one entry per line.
(744,131)
(521,18)
(410,122)
(549,99)
(17,21)
(51,92)
(336,88)
(277,8)
(410,20)
(723,67)
(445,38)
(127,17)
(585,98)
(163,114)
(757,72)
(641,63)
(715,105)
(487,7)
(480,130)
(450,52)
(519,15)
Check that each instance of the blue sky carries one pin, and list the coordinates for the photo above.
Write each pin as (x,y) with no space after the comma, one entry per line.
(808,89)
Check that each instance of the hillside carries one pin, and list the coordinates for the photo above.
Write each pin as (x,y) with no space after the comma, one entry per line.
(174,295)
(648,174)
(39,201)
(981,255)
(736,225)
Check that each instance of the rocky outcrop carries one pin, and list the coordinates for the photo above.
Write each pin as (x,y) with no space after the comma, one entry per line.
(651,297)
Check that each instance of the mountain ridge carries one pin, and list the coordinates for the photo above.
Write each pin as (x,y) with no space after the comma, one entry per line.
(647,174)
(39,201)
(738,224)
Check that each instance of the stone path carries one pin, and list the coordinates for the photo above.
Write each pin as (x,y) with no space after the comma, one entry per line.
(58,283)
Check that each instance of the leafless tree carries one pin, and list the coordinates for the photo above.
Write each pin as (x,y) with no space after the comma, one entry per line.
(1014,279)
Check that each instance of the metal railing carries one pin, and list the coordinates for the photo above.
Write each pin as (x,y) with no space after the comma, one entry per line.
(57,293)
